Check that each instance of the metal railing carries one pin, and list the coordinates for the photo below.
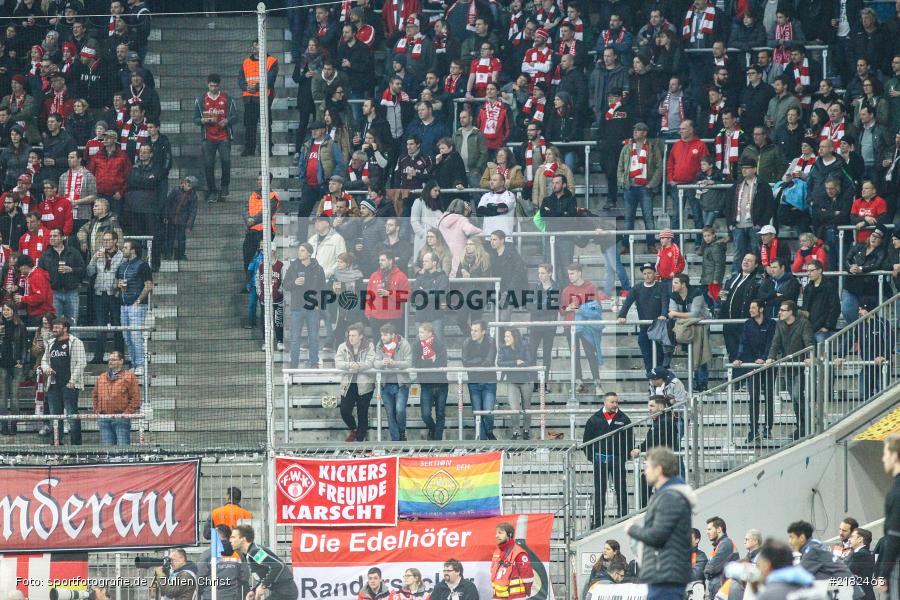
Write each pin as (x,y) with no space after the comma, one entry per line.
(142,419)
(665,160)
(570,412)
(290,375)
(823,49)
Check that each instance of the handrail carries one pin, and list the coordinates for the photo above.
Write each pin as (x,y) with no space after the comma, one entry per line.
(543,412)
(55,418)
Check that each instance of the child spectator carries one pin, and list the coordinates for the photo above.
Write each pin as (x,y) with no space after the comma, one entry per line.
(178,217)
(669,260)
(712,268)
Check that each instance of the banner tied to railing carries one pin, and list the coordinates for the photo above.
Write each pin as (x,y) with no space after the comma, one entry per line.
(377,491)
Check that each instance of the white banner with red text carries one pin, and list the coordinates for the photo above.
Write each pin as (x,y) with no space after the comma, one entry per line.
(332,563)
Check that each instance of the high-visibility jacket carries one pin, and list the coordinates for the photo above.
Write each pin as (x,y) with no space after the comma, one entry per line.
(255,207)
(251,74)
(511,572)
(229,514)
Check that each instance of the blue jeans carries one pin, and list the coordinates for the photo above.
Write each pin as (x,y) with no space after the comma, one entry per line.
(831,239)
(114,432)
(745,240)
(821,336)
(133,316)
(849,306)
(311,319)
(614,267)
(665,592)
(701,375)
(646,347)
(107,311)
(434,394)
(636,196)
(571,160)
(484,397)
(61,398)
(252,300)
(395,397)
(65,304)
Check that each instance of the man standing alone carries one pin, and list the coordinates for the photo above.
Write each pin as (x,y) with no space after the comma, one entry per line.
(63,364)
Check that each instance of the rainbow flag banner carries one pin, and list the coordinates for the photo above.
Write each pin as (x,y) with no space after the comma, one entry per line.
(451,487)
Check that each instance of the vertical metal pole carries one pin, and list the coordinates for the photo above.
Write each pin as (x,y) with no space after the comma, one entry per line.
(145,333)
(825,61)
(681,214)
(729,443)
(477,427)
(496,307)
(665,158)
(287,408)
(638,500)
(587,176)
(840,265)
(141,438)
(690,368)
(378,399)
(459,403)
(631,257)
(542,396)
(572,363)
(553,254)
(267,220)
(880,290)
(269,494)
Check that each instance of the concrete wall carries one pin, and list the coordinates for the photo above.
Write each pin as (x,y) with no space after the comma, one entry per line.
(821,481)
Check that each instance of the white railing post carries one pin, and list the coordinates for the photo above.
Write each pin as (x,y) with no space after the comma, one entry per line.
(379,398)
(587,176)
(459,403)
(542,396)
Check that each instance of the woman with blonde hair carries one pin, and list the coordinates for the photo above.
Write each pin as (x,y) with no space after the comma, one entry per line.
(435,243)
(413,587)
(543,176)
(505,164)
(456,228)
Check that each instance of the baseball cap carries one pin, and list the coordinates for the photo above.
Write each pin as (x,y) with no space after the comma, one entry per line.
(133,56)
(641,126)
(191,180)
(767,229)
(647,265)
(657,373)
(748,162)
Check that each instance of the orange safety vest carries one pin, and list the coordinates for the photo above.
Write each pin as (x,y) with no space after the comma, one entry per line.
(254,207)
(229,514)
(508,580)
(251,73)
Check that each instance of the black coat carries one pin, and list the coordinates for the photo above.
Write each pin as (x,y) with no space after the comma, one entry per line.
(823,304)
(450,171)
(615,447)
(314,281)
(666,535)
(12,228)
(755,102)
(788,290)
(862,564)
(762,209)
(735,304)
(663,431)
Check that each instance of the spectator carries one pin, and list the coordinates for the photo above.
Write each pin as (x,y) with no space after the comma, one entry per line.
(821,304)
(663,382)
(388,289)
(111,167)
(484,67)
(828,213)
(394,353)
(497,207)
(859,287)
(414,167)
(479,351)
(425,214)
(134,132)
(666,559)
(80,190)
(304,275)
(116,392)
(347,278)
(101,269)
(248,81)
(12,352)
(327,245)
(792,334)
(63,364)
(253,217)
(872,139)
(811,248)
(472,147)
(734,301)
(456,228)
(14,157)
(778,285)
(683,162)
(639,174)
(686,306)
(610,555)
(712,268)
(608,439)
(514,352)
(449,168)
(319,159)
(178,217)
(494,119)
(861,561)
(215,112)
(662,431)
(652,302)
(326,205)
(815,557)
(396,243)
(356,357)
(867,211)
(58,99)
(530,153)
(37,296)
(669,259)
(36,237)
(756,96)
(434,243)
(135,282)
(55,210)
(790,136)
(454,584)
(505,164)
(57,145)
(141,214)
(782,101)
(752,543)
(576,294)
(66,267)
(12,222)
(729,142)
(432,355)
(427,129)
(613,130)
(756,341)
(750,206)
(770,162)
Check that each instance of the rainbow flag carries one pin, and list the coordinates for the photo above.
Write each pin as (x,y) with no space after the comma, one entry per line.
(451,487)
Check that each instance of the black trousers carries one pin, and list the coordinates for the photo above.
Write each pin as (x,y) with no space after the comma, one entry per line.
(360,402)
(765,384)
(614,469)
(251,123)
(543,336)
(251,246)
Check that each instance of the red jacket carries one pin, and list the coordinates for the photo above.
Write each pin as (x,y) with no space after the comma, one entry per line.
(390,306)
(801,259)
(38,296)
(56,212)
(111,171)
(669,261)
(683,163)
(511,572)
(875,207)
(34,244)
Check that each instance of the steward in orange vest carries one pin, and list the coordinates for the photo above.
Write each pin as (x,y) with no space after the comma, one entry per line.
(248,81)
(230,513)
(253,219)
(511,571)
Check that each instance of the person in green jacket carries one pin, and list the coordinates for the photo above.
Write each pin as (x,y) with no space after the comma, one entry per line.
(770,161)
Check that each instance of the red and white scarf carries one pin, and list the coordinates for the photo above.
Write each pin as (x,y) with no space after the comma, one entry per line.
(707,21)
(607,37)
(802,164)
(714,110)
(556,78)
(389,99)
(390,349)
(783,33)
(352,176)
(346,5)
(59,100)
(610,114)
(550,170)
(67,66)
(577,27)
(565,48)
(414,41)
(727,149)
(492,113)
(120,116)
(428,352)
(73,186)
(141,135)
(544,17)
(801,77)
(832,132)
(439,43)
(637,167)
(535,107)
(529,158)
(766,254)
(665,107)
(483,68)
(471,16)
(513,28)
(451,83)
(111,26)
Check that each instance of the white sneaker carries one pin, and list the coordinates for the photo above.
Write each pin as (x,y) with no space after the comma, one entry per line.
(280,345)
(138,371)
(263,347)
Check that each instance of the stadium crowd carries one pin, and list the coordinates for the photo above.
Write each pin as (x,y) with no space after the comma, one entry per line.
(491,95)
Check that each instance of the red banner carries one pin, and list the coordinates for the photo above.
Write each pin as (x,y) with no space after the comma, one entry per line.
(99,507)
(332,563)
(336,493)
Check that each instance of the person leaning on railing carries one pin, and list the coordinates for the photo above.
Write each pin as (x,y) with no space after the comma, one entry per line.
(860,287)
(793,333)
(116,392)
